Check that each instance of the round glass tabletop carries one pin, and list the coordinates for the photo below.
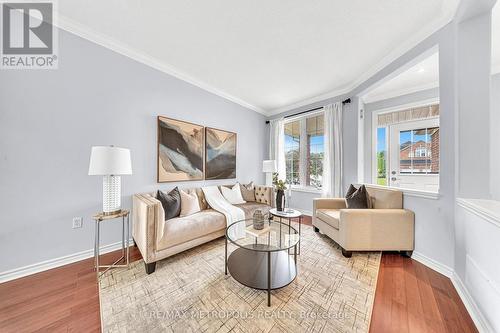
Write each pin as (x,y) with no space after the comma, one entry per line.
(275,236)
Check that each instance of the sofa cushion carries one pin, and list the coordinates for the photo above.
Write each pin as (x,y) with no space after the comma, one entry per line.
(233,194)
(250,207)
(182,229)
(357,198)
(189,203)
(171,202)
(329,216)
(385,198)
(248,192)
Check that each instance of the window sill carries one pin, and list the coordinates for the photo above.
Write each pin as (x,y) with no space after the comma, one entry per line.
(412,193)
(306,189)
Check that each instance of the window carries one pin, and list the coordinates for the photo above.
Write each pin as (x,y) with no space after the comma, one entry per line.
(406,148)
(304,150)
(415,150)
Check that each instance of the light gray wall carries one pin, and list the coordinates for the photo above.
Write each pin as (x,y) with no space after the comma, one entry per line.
(495,137)
(473,70)
(50,119)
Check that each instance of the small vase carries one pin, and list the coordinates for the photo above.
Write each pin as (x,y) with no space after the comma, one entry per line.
(258,220)
(280,200)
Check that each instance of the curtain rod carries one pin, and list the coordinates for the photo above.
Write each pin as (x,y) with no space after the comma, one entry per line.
(347,101)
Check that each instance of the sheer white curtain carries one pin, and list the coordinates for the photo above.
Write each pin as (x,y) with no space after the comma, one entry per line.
(277,145)
(332,158)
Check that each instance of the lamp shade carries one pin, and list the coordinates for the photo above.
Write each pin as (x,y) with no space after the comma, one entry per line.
(109,160)
(269,166)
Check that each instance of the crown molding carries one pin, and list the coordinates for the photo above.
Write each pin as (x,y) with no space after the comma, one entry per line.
(85,32)
(400,92)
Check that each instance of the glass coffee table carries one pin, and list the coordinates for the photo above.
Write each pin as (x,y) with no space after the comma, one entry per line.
(261,260)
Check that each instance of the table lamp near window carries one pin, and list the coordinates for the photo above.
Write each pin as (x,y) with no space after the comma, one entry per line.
(269,167)
(110,162)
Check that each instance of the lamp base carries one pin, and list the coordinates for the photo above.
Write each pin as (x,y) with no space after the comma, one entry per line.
(111,194)
(112,213)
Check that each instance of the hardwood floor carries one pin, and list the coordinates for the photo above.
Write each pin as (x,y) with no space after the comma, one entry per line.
(413,298)
(410,298)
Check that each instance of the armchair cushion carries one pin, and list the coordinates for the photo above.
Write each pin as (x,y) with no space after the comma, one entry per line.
(329,216)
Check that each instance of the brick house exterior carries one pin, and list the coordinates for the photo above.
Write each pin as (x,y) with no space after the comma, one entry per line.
(425,155)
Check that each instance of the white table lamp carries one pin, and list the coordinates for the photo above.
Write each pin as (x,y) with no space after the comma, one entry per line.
(269,167)
(110,162)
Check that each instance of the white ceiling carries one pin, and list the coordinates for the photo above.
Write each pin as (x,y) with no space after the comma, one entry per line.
(266,55)
(424,75)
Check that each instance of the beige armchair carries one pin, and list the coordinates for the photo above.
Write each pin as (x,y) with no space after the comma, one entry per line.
(385,227)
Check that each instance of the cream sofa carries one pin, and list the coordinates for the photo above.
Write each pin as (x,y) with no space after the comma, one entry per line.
(158,239)
(386,227)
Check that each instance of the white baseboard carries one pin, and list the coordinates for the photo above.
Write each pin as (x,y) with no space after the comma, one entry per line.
(471,306)
(57,262)
(433,264)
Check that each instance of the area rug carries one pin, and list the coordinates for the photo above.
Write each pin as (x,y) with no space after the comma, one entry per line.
(190,293)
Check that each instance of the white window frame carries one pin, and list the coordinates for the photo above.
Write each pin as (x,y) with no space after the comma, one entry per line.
(373,149)
(303,150)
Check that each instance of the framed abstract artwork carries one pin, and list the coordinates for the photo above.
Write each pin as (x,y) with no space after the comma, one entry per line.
(180,150)
(220,154)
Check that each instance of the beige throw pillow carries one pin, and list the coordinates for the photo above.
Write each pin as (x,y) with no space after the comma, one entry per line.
(189,203)
(248,191)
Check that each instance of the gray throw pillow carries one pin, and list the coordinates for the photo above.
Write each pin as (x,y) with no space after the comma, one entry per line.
(248,192)
(357,198)
(171,202)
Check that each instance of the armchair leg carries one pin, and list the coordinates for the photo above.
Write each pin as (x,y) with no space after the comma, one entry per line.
(346,253)
(150,268)
(316,229)
(406,253)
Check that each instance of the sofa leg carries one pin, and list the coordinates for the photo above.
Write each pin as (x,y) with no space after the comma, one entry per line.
(150,268)
(316,229)
(346,253)
(406,253)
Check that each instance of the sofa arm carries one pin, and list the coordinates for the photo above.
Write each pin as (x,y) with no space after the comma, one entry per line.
(328,203)
(264,194)
(147,212)
(376,229)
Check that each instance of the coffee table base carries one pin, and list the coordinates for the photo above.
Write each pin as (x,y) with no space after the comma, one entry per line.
(253,269)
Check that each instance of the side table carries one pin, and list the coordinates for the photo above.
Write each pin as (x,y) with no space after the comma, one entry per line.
(287,214)
(99,218)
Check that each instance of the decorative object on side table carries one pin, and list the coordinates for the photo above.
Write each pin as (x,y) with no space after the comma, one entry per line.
(110,162)
(258,220)
(269,167)
(288,198)
(280,187)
